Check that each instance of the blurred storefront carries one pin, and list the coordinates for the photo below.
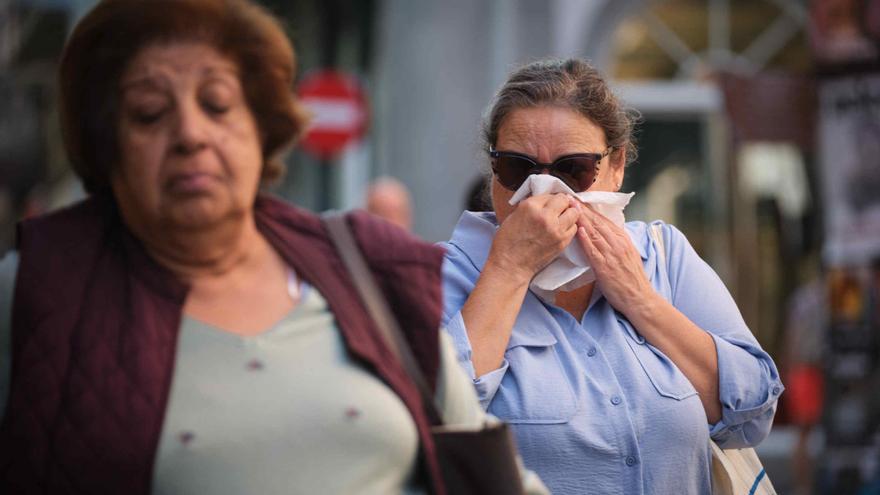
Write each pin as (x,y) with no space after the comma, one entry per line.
(846,42)
(31,164)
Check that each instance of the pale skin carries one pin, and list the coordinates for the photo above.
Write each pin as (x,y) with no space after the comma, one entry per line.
(190,170)
(536,230)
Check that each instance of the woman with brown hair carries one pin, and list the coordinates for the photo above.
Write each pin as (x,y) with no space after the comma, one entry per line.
(181,332)
(611,348)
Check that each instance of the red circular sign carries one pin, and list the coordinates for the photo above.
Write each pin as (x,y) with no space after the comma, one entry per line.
(339,112)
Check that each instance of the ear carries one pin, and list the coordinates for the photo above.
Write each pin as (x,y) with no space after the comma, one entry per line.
(617,164)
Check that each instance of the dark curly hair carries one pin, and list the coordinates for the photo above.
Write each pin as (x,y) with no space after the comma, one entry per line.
(112,33)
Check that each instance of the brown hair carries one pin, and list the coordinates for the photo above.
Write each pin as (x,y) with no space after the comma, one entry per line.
(109,36)
(570,83)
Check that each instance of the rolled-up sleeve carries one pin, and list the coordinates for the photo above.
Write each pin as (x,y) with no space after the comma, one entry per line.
(456,329)
(748,389)
(748,381)
(459,278)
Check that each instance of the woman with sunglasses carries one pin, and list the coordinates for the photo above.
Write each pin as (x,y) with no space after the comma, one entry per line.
(616,386)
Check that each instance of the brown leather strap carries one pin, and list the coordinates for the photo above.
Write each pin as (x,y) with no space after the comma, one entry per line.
(377,306)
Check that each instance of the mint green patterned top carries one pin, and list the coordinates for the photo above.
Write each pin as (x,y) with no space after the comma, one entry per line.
(283,412)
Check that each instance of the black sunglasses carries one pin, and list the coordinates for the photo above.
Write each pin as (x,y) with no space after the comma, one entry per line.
(578,171)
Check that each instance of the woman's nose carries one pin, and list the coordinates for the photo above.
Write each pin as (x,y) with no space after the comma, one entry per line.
(191,132)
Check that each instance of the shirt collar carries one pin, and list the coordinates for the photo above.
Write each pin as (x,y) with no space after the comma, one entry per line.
(638,234)
(473,234)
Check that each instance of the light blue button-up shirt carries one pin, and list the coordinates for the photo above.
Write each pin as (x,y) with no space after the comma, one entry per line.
(594,407)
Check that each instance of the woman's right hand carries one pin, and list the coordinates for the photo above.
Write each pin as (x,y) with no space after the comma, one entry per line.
(536,231)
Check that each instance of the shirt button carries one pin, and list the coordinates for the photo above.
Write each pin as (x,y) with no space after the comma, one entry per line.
(776,390)
(630,461)
(615,400)
(591,352)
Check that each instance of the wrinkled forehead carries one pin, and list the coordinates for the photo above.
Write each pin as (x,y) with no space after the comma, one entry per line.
(549,131)
(159,62)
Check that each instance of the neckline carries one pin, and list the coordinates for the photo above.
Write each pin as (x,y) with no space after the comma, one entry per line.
(299,291)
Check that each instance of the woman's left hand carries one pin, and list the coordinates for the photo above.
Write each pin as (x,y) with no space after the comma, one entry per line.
(615,260)
(624,284)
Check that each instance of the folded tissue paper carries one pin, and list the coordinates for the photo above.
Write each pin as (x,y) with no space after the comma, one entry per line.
(570,269)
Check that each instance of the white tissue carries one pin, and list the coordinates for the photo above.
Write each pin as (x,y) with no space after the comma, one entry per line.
(570,269)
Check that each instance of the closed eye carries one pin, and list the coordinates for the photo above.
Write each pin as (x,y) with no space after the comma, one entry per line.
(146,117)
(215,108)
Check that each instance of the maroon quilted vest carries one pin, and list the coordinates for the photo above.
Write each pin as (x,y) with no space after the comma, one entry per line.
(95,324)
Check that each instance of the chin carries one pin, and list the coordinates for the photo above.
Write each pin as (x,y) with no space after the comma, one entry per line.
(199,212)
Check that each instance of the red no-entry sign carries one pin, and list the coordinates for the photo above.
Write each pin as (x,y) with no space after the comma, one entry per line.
(339,112)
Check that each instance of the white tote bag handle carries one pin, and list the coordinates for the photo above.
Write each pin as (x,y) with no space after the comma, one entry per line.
(738,472)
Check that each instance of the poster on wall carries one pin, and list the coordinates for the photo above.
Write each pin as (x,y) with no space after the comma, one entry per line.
(849,163)
(845,31)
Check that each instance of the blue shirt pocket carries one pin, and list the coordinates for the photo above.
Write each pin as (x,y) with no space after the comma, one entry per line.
(667,379)
(535,388)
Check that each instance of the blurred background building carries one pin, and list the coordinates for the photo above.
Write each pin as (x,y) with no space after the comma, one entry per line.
(760,140)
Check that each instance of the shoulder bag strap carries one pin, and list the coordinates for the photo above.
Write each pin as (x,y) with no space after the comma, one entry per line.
(656,231)
(377,306)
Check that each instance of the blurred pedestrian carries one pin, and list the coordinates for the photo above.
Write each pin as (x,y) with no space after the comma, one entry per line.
(388,198)
(802,360)
(179,332)
(616,382)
